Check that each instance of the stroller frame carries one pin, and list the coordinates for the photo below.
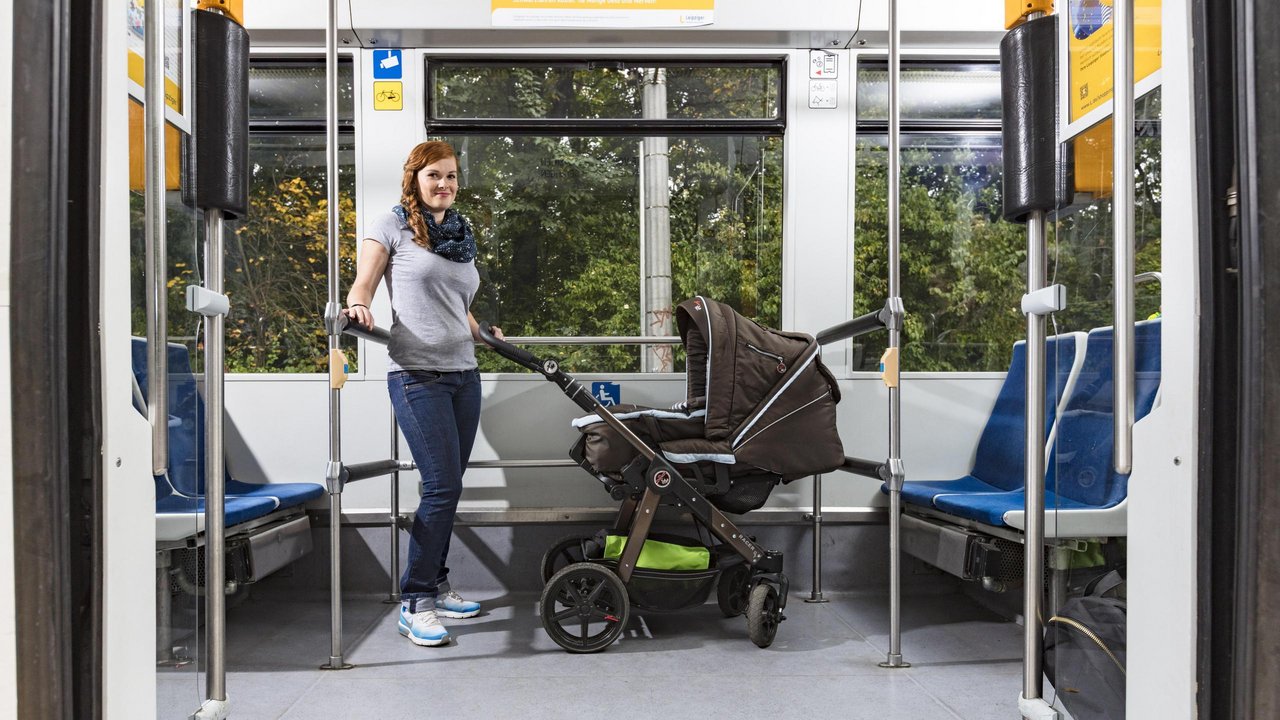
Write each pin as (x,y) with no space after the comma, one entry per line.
(651,480)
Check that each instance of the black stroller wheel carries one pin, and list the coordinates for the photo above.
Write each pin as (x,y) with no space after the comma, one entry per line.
(733,589)
(567,551)
(584,607)
(763,614)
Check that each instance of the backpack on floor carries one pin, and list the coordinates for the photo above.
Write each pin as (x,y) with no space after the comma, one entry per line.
(1084,651)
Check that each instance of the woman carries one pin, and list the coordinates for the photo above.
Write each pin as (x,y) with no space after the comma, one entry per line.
(426,253)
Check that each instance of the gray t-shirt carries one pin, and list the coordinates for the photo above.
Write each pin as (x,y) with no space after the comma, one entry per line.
(429,300)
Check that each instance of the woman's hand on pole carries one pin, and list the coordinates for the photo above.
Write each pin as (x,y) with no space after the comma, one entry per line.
(360,314)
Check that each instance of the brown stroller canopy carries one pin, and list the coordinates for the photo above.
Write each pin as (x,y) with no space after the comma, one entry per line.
(769,400)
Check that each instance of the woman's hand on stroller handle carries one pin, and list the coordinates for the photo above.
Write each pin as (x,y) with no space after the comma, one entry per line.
(493,337)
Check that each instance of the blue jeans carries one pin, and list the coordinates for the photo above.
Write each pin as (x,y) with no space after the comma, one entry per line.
(438,413)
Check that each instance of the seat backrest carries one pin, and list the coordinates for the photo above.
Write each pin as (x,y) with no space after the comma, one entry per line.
(1002,454)
(1081,467)
(186,418)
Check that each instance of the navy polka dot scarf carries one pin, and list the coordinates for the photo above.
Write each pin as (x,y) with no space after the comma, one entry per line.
(450,239)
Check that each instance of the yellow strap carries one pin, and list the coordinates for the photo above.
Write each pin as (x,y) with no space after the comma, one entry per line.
(337,369)
(889,367)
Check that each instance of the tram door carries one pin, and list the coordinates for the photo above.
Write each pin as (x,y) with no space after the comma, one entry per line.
(1086,566)
(165,247)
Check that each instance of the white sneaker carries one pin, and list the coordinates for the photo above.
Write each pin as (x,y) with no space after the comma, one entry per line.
(451,605)
(422,628)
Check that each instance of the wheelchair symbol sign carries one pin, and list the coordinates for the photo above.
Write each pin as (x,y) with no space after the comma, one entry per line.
(608,393)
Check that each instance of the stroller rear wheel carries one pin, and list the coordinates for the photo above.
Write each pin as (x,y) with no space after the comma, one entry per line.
(567,551)
(733,589)
(763,614)
(584,607)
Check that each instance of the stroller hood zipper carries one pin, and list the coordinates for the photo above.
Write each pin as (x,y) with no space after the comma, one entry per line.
(782,365)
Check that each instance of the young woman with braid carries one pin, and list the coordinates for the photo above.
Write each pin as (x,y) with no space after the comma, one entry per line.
(425,252)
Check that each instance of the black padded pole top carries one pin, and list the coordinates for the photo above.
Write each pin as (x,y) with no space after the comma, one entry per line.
(1029,102)
(222,115)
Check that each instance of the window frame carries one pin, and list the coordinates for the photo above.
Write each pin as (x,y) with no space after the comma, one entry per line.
(911,126)
(585,127)
(310,56)
(775,126)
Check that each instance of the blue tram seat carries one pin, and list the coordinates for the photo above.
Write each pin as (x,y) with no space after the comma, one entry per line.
(1001,456)
(1080,474)
(182,491)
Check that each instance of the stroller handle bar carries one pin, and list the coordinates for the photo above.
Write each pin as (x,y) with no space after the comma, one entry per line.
(520,356)
(862,325)
(550,369)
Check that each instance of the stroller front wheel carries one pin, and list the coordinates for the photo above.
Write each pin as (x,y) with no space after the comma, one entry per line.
(763,614)
(584,607)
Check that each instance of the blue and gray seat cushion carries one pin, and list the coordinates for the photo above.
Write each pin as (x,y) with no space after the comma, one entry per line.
(1080,474)
(181,491)
(1001,455)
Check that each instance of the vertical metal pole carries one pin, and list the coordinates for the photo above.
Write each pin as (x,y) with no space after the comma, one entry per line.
(156,249)
(896,475)
(815,595)
(394,595)
(164,610)
(332,311)
(1123,230)
(1033,567)
(215,479)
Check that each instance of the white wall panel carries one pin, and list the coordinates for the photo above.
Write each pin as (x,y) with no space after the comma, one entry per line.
(128,594)
(1164,515)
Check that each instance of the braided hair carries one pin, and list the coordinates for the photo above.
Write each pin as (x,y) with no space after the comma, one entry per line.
(422,155)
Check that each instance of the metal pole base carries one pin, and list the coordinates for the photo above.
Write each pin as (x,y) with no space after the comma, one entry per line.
(392,599)
(336,663)
(174,660)
(816,598)
(1037,709)
(894,661)
(212,710)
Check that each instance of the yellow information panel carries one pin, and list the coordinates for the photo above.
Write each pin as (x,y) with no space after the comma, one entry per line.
(175,42)
(1089,55)
(388,95)
(602,13)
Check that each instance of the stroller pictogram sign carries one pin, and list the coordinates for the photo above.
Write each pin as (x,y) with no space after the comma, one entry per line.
(608,393)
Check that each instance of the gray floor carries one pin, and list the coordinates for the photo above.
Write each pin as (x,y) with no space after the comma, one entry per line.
(694,664)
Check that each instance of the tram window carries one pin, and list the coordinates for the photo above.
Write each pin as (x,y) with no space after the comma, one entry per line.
(961,263)
(276,267)
(1080,252)
(956,93)
(559,201)
(603,90)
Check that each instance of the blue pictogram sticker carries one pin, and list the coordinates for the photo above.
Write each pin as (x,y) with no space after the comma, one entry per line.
(387,65)
(608,393)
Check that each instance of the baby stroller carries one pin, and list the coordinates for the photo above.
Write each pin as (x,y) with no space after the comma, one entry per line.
(759,410)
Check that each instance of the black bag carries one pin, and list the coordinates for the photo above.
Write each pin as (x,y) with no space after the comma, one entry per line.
(1084,651)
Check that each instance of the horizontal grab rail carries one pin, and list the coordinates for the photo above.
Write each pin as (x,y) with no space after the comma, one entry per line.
(597,340)
(866,468)
(852,328)
(373,334)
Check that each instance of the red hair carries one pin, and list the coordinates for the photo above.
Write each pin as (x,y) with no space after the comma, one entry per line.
(422,155)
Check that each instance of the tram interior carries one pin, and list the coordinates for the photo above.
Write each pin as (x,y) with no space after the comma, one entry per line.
(612,173)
